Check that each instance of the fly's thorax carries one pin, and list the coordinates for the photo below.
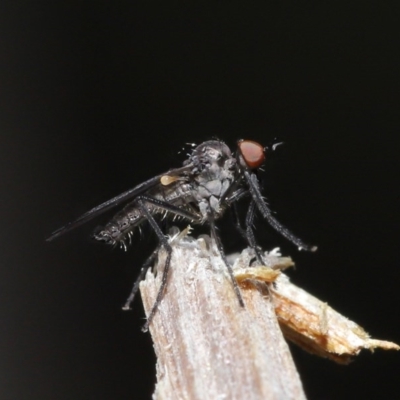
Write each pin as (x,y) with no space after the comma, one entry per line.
(209,195)
(215,188)
(214,180)
(211,206)
(211,158)
(177,193)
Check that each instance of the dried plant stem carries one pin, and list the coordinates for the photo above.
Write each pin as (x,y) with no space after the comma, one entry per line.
(207,346)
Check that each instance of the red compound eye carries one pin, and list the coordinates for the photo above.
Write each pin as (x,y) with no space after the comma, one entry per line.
(252,153)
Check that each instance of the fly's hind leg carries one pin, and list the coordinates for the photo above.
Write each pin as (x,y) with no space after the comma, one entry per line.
(163,242)
(142,274)
(141,204)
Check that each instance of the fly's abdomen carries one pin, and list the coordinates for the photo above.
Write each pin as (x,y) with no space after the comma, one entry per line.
(120,227)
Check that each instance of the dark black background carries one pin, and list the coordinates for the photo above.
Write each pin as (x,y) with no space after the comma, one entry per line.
(96,97)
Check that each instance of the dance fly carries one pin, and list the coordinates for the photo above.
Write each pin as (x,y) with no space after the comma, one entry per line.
(211,180)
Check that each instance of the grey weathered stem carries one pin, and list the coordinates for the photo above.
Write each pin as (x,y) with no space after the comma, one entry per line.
(207,346)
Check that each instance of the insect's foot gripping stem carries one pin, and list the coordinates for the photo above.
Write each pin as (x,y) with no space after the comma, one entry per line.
(161,290)
(141,276)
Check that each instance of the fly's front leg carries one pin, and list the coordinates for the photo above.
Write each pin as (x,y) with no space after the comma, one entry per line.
(236,222)
(232,200)
(255,192)
(250,233)
(247,233)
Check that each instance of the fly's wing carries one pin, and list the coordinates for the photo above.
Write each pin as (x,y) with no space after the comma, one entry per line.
(115,201)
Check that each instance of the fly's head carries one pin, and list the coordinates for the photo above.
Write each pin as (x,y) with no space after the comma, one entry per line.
(250,154)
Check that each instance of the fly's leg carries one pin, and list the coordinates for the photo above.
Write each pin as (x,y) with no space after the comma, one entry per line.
(141,203)
(189,215)
(250,233)
(217,240)
(163,242)
(247,233)
(141,276)
(266,213)
(236,222)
